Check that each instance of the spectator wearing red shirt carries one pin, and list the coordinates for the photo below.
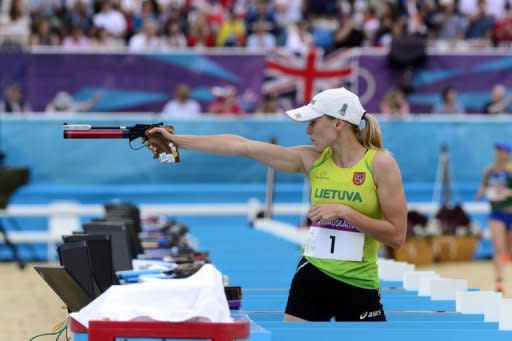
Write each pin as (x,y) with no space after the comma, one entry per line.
(225,102)
(503,28)
(200,33)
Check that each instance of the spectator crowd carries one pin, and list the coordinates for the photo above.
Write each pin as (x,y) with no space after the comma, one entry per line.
(254,24)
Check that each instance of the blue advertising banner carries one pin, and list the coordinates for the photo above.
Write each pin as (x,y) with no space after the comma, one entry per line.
(132,82)
(472,75)
(145,82)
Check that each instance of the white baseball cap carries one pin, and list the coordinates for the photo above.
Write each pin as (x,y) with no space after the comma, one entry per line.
(338,103)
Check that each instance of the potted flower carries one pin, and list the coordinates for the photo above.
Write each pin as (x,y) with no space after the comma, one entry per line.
(459,235)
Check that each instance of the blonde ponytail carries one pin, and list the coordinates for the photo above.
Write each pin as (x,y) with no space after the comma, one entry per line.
(370,136)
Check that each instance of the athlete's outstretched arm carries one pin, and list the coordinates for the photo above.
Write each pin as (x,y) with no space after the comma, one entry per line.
(281,158)
(392,229)
(484,184)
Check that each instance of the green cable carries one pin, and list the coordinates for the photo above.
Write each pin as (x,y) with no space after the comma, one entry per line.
(58,332)
(65,329)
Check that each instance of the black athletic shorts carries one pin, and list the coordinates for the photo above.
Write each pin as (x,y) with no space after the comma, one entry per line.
(315,296)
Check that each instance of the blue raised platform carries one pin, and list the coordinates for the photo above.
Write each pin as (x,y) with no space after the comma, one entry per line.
(264,265)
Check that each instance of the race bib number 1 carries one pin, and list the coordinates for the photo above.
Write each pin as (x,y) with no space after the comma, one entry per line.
(335,240)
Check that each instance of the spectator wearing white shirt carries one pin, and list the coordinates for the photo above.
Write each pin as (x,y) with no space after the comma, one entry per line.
(288,11)
(299,40)
(17,26)
(147,39)
(492,7)
(110,19)
(261,38)
(182,105)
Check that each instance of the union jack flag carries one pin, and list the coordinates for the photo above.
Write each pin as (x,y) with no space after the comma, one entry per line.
(287,74)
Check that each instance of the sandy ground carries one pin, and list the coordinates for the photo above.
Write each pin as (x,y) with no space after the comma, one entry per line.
(479,274)
(30,307)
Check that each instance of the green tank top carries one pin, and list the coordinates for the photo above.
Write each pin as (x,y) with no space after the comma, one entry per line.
(355,188)
(500,179)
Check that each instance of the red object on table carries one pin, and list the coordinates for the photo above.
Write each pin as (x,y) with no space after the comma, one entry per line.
(109,330)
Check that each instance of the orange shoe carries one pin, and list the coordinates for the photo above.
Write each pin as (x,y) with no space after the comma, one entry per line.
(506,258)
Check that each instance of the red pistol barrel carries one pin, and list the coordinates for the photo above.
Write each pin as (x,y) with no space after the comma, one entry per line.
(94,134)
